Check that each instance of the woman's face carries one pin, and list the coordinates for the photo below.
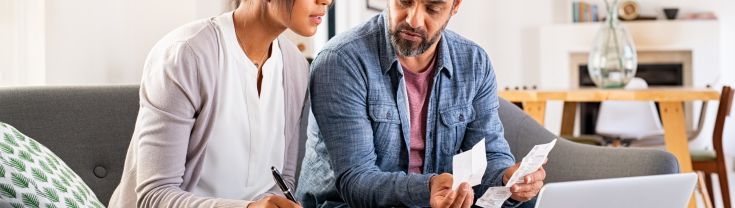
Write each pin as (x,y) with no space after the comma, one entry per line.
(305,16)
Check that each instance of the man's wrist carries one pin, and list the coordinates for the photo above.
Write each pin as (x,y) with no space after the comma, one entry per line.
(419,190)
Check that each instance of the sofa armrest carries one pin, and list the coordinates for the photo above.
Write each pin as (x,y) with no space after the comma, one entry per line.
(571,161)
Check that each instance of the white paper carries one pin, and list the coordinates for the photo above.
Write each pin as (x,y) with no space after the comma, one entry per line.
(469,166)
(531,162)
(495,196)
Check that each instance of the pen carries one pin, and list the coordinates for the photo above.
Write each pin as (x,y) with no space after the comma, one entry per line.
(279,181)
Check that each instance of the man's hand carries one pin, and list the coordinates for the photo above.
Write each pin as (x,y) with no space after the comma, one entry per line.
(273,201)
(528,187)
(443,196)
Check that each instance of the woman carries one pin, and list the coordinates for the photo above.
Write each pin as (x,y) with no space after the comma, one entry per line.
(221,102)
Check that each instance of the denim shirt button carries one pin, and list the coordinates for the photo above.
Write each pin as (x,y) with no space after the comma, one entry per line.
(387,115)
(461,117)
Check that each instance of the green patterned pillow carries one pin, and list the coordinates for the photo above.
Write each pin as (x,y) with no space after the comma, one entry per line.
(33,176)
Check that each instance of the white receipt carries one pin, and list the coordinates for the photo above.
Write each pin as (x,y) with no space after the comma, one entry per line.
(495,196)
(469,166)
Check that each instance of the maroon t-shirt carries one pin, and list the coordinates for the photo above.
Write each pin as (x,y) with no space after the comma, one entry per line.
(418,89)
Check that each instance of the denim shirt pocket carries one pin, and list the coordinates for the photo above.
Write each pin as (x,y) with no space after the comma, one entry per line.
(386,133)
(455,120)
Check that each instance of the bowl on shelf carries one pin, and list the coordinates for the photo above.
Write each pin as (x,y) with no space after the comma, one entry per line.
(671,13)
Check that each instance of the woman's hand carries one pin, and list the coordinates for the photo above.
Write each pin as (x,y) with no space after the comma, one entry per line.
(274,201)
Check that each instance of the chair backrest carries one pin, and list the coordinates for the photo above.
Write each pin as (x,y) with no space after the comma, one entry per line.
(629,119)
(723,111)
(570,161)
(700,122)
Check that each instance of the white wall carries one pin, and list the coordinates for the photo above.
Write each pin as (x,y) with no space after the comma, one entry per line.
(351,13)
(91,42)
(84,42)
(8,55)
(106,42)
(508,31)
(22,37)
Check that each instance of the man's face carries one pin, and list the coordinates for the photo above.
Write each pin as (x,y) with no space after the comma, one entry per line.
(416,25)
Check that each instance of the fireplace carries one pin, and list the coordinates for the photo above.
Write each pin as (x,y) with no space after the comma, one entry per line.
(656,75)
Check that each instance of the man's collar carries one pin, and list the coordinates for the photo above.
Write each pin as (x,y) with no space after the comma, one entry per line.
(389,59)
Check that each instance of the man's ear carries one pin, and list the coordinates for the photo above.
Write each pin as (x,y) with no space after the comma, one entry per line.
(455,9)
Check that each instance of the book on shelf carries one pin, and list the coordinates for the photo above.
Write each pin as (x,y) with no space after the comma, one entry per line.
(584,12)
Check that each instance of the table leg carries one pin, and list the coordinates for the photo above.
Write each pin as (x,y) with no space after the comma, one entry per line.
(567,120)
(703,189)
(675,137)
(536,110)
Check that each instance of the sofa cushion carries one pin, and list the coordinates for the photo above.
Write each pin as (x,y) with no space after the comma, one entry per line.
(33,176)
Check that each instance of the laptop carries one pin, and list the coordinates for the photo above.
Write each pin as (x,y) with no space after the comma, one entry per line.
(665,191)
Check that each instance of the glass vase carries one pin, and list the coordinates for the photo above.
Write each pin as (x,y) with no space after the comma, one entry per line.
(613,59)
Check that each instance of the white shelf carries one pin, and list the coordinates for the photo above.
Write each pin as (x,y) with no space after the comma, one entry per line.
(648,23)
(647,35)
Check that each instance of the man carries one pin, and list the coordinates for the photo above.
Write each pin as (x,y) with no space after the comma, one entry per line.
(394,100)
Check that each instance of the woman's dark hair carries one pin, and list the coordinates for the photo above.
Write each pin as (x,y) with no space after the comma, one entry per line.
(287,4)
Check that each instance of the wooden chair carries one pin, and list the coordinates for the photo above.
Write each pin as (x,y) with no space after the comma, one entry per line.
(710,161)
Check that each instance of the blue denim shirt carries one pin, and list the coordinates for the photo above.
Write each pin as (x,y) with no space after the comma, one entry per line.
(359,103)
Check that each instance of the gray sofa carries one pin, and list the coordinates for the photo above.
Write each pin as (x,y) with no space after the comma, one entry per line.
(90,129)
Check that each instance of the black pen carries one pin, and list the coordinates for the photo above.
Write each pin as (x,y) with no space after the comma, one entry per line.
(279,181)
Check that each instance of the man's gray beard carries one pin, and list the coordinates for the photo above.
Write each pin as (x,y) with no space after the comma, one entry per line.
(404,48)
